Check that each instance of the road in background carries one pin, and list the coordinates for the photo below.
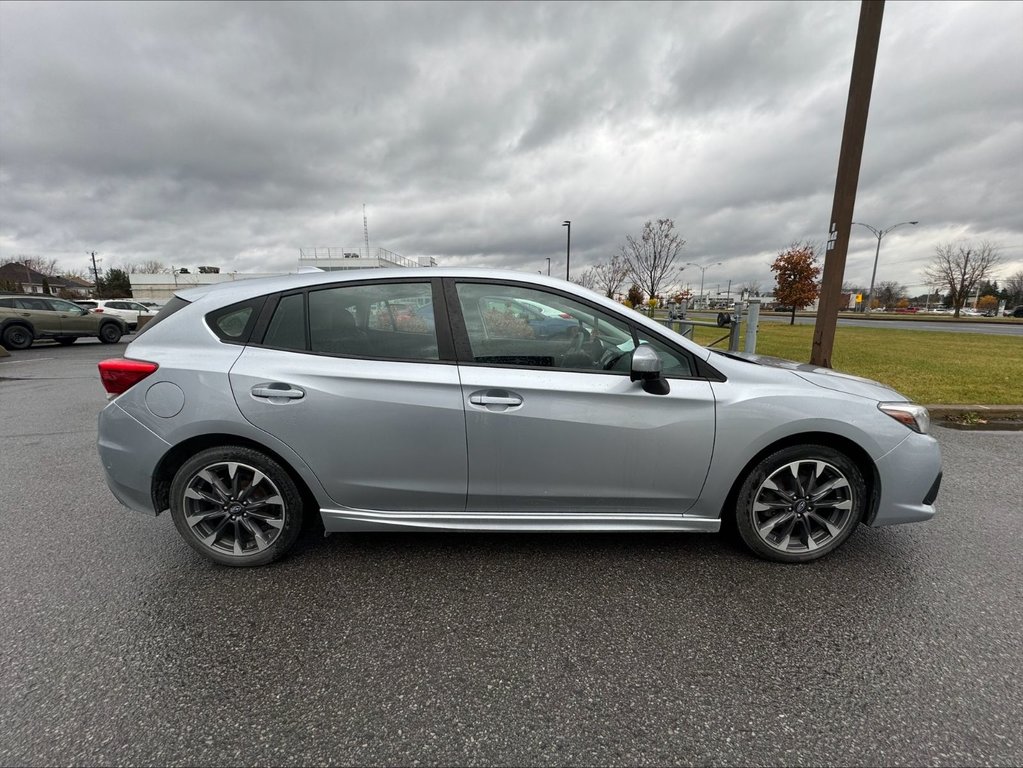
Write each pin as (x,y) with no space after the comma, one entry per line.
(998,329)
(120,645)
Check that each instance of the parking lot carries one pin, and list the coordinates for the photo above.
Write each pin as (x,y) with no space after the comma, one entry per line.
(120,645)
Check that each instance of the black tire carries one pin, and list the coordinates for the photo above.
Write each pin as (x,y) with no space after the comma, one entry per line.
(804,528)
(218,513)
(110,333)
(17,337)
(66,340)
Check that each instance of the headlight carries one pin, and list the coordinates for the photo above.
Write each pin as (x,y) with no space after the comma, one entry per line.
(913,416)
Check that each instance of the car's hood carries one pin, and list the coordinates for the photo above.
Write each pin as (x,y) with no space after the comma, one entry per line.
(827,378)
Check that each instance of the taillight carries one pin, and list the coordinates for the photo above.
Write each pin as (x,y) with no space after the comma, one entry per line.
(98,310)
(566,315)
(120,374)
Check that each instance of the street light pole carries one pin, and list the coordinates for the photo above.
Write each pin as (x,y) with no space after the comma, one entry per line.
(879,234)
(548,266)
(703,269)
(568,248)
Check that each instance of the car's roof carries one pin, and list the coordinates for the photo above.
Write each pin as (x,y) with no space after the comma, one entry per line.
(238,290)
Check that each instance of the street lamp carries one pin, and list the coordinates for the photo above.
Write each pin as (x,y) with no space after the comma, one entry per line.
(568,247)
(878,234)
(548,266)
(702,270)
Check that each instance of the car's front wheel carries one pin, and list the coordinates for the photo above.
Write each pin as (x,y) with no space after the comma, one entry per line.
(237,506)
(17,337)
(110,333)
(800,503)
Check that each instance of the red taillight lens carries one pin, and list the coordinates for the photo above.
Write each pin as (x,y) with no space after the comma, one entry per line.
(98,310)
(119,374)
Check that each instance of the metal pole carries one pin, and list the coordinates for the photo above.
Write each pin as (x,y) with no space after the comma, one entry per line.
(870,293)
(568,249)
(548,266)
(857,107)
(733,333)
(752,323)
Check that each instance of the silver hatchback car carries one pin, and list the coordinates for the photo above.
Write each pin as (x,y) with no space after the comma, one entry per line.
(425,400)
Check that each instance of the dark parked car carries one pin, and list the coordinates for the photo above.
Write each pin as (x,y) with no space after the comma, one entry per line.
(25,318)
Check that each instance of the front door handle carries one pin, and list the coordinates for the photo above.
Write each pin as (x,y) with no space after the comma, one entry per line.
(277,392)
(496,399)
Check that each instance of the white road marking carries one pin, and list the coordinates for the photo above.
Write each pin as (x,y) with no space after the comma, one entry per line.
(37,360)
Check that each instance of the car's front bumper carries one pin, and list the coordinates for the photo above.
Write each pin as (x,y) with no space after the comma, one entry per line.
(129,453)
(909,475)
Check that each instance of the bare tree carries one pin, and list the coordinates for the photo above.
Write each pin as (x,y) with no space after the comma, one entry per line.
(145,267)
(651,259)
(888,293)
(751,288)
(44,266)
(608,276)
(960,267)
(1014,288)
(587,279)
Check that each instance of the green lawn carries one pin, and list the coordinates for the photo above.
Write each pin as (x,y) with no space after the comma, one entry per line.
(926,366)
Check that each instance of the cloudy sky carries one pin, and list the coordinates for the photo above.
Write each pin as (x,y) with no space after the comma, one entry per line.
(235,134)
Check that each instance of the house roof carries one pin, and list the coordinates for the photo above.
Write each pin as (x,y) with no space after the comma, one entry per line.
(19,273)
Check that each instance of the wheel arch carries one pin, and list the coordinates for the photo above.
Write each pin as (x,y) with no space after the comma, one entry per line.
(839,443)
(27,324)
(167,467)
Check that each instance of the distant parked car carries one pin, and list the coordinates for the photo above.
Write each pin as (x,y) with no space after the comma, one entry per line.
(1017,312)
(126,309)
(243,407)
(780,308)
(24,319)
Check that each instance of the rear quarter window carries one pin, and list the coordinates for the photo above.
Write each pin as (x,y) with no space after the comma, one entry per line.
(172,306)
(235,322)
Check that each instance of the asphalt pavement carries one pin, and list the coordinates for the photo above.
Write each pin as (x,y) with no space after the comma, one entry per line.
(120,645)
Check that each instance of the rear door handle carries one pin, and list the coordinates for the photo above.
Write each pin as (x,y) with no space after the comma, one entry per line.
(277,392)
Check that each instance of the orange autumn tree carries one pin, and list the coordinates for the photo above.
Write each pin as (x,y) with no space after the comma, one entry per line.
(796,274)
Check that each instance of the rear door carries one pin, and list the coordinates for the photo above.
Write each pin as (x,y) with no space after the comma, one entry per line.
(359,382)
(38,311)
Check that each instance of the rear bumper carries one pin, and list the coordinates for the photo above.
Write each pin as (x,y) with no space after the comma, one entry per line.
(129,453)
(910,476)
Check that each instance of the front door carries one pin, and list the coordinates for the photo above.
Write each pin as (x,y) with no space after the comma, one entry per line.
(556,425)
(74,319)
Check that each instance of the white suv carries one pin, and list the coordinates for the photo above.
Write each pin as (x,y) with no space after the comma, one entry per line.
(126,309)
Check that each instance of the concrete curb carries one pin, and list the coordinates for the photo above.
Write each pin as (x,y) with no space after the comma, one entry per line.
(4,352)
(943,411)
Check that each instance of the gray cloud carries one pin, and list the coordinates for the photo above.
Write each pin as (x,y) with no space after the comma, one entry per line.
(234,134)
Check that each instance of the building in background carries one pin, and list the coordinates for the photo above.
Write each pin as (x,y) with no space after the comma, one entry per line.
(161,286)
(334,259)
(29,280)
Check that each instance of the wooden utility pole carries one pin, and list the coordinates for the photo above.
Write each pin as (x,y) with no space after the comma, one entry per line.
(856,109)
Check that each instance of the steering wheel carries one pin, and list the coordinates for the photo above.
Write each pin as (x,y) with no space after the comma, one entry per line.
(611,356)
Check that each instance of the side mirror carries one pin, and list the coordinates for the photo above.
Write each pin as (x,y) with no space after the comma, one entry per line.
(647,367)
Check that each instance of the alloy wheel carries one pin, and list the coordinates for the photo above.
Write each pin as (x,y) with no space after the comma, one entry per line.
(802,506)
(233,508)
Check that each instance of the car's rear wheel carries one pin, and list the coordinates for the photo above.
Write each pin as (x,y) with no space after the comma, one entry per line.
(236,505)
(17,337)
(800,503)
(66,340)
(110,333)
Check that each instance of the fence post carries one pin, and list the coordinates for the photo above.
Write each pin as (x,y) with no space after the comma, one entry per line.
(733,334)
(752,323)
